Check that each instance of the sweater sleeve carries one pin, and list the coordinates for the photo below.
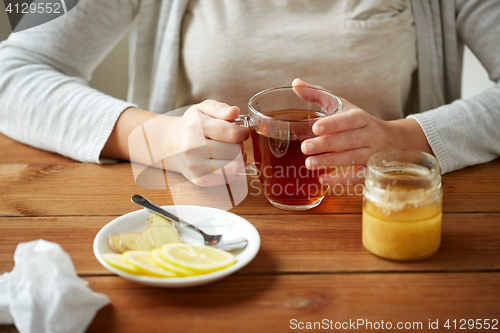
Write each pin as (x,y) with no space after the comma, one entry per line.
(467,132)
(45,100)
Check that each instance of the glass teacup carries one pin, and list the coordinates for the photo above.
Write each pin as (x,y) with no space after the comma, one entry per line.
(280,119)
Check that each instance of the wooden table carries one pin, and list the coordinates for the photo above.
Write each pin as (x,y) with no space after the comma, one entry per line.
(311,266)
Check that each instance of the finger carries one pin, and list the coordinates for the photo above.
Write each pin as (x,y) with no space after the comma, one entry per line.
(341,122)
(218,110)
(345,107)
(231,168)
(337,142)
(210,179)
(210,171)
(346,158)
(215,179)
(223,150)
(345,176)
(301,83)
(316,95)
(201,167)
(221,130)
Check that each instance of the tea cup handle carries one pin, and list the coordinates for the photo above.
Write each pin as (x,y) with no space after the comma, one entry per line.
(242,121)
(250,168)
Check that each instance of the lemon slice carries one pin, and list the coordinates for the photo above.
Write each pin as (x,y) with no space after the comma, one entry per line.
(158,259)
(144,263)
(198,258)
(117,261)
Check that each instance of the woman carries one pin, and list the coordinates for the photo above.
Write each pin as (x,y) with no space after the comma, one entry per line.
(391,58)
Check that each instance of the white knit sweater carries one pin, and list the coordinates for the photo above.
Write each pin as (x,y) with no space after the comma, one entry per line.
(45,100)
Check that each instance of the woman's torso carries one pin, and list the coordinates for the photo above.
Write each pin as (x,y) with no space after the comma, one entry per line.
(362,50)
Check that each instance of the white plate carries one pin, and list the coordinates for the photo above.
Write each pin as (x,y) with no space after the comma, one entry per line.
(210,220)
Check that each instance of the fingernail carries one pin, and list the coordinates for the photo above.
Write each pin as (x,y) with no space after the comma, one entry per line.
(311,162)
(320,129)
(309,146)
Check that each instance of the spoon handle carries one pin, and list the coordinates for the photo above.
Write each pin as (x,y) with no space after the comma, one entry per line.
(145,203)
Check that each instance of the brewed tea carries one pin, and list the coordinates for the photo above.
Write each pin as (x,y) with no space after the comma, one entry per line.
(283,174)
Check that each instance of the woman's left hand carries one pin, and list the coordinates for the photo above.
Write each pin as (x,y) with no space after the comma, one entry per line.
(351,136)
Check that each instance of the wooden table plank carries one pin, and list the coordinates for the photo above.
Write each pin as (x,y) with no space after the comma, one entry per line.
(268,303)
(318,243)
(311,265)
(82,189)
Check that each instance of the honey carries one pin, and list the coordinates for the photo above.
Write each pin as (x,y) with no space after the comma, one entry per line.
(402,205)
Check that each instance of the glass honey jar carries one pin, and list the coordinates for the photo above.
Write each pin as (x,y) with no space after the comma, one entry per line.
(402,205)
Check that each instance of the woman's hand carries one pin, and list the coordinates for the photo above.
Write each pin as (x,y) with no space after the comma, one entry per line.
(202,144)
(209,149)
(351,136)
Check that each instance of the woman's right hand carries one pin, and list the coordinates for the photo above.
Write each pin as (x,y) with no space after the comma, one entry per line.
(209,148)
(203,144)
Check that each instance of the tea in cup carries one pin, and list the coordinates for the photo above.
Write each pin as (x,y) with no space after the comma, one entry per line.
(280,119)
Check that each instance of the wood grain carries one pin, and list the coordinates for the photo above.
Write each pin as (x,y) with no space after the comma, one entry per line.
(82,189)
(306,244)
(268,303)
(311,265)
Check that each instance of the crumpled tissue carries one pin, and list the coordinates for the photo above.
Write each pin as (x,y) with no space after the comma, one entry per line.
(43,293)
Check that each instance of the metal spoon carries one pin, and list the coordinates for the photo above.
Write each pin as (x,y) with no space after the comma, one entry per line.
(227,241)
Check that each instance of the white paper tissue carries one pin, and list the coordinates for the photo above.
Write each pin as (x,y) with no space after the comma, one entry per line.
(43,293)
